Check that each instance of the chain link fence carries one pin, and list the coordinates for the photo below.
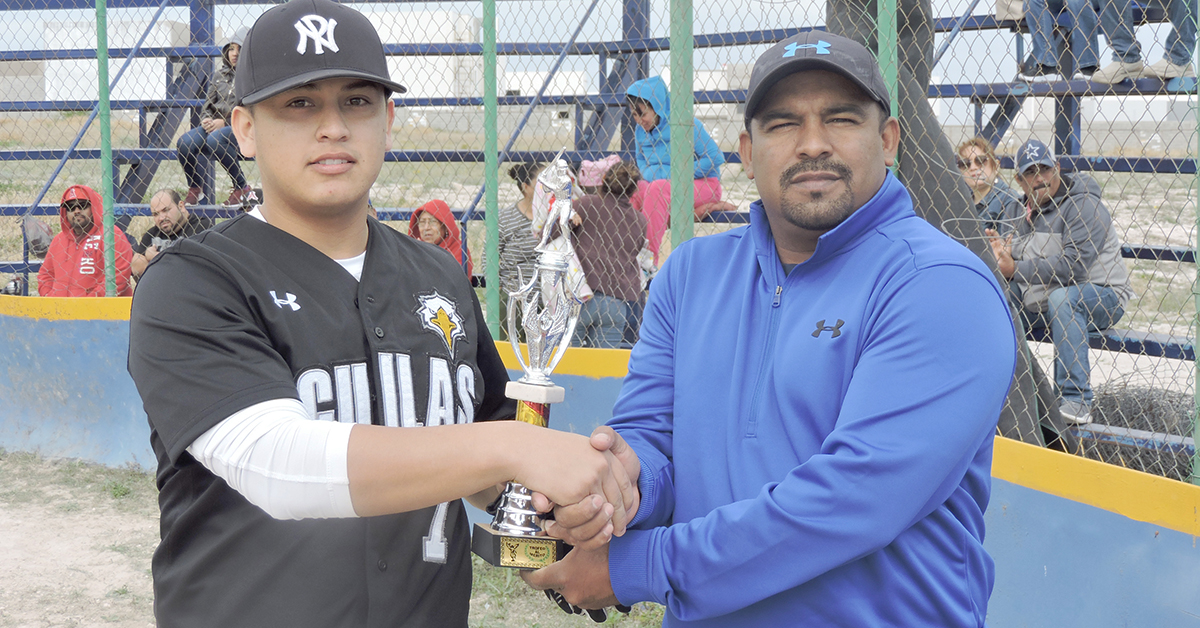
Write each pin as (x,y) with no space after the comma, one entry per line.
(564,72)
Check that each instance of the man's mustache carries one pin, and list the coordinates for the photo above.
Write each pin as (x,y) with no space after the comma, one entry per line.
(814,165)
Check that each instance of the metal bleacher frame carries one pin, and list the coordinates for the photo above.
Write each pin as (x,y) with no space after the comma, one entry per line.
(593,134)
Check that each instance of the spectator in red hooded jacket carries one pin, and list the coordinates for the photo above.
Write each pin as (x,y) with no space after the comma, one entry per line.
(433,223)
(74,265)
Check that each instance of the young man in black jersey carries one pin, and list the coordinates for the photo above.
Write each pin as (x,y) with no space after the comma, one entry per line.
(281,354)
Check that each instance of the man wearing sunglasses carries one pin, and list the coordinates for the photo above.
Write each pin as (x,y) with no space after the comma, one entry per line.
(74,265)
(1064,264)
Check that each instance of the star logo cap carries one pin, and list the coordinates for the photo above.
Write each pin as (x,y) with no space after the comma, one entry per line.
(302,41)
(816,50)
(1034,153)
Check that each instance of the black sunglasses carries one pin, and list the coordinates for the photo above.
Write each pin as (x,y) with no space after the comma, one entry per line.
(979,161)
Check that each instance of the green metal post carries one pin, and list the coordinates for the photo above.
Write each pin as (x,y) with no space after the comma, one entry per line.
(888,41)
(106,186)
(682,122)
(1195,477)
(491,169)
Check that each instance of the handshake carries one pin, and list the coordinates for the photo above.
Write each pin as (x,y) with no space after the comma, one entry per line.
(588,492)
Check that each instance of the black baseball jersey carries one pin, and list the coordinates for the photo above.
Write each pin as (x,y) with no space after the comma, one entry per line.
(156,238)
(245,313)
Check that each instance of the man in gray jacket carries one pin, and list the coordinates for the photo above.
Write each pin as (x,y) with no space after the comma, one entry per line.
(1064,264)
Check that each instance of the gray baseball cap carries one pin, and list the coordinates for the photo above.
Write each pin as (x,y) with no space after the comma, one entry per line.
(303,41)
(1034,153)
(816,50)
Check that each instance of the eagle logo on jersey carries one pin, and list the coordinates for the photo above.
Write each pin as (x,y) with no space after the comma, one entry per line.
(440,315)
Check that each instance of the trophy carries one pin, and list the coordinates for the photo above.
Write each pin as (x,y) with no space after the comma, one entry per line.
(549,308)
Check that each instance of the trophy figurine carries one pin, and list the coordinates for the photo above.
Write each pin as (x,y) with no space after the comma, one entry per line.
(549,308)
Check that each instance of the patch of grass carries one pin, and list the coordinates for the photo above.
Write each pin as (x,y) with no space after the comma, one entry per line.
(76,485)
(500,598)
(117,489)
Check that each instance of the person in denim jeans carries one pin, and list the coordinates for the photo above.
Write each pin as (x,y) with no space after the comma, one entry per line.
(1064,265)
(609,233)
(1116,18)
(214,137)
(1040,16)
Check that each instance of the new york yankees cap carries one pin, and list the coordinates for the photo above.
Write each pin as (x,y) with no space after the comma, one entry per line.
(1034,153)
(302,41)
(816,50)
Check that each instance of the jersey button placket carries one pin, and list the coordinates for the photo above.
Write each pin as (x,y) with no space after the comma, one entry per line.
(382,564)
(379,332)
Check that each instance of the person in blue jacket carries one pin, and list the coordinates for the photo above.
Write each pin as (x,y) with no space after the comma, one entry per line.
(833,469)
(650,106)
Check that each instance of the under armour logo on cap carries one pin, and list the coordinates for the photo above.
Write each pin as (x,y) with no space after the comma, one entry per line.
(816,50)
(319,31)
(821,46)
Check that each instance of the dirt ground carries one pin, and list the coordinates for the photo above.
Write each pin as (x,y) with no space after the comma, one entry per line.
(76,545)
(76,541)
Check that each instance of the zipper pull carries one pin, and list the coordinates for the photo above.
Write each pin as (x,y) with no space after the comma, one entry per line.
(778,293)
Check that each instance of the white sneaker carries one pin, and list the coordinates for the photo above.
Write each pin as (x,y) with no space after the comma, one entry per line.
(1165,70)
(1075,412)
(1118,71)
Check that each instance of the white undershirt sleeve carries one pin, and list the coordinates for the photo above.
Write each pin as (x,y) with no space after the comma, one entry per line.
(281,460)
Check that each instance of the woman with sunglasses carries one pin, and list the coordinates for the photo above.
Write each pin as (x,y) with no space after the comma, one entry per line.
(994,199)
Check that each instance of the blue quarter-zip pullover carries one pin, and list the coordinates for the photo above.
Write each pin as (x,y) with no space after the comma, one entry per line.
(816,447)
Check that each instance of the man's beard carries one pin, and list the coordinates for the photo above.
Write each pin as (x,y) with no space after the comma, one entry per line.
(82,227)
(824,212)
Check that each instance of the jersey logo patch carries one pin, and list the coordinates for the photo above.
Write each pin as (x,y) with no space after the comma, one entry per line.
(440,315)
(290,301)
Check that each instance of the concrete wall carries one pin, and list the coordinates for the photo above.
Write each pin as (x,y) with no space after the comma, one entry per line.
(1076,542)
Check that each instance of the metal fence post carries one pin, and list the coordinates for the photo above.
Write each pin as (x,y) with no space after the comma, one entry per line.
(106,184)
(885,20)
(682,122)
(491,167)
(1195,476)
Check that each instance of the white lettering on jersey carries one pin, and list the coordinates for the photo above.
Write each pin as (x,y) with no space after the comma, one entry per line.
(353,393)
(466,394)
(434,547)
(395,379)
(348,389)
(319,31)
(441,394)
(315,386)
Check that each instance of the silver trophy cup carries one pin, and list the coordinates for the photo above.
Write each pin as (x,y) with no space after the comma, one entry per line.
(548,309)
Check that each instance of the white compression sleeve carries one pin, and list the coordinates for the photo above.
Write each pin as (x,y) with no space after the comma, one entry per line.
(281,460)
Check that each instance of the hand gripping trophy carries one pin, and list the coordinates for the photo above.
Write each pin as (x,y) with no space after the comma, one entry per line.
(549,310)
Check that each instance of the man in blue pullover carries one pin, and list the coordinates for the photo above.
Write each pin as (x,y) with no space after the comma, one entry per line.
(834,469)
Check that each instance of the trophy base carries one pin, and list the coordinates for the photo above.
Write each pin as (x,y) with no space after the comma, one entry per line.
(518,552)
(534,393)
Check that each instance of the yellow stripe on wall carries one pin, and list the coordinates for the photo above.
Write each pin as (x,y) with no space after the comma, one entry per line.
(66,308)
(1139,496)
(595,363)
